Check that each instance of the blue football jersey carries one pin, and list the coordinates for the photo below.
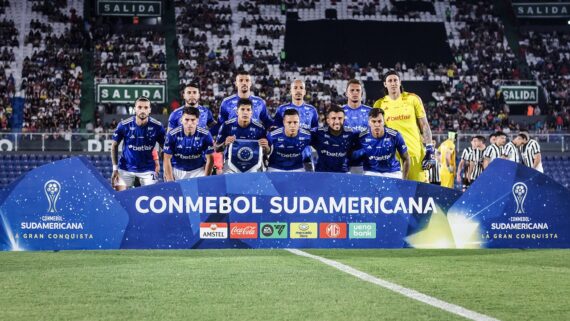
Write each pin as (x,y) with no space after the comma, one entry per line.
(188,152)
(356,118)
(138,143)
(334,151)
(228,110)
(287,152)
(379,154)
(308,116)
(206,119)
(254,130)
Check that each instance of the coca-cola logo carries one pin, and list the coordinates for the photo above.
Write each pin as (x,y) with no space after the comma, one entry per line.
(249,230)
(243,230)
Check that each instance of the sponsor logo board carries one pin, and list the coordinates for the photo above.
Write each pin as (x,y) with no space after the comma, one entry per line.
(332,230)
(243,230)
(214,230)
(303,230)
(273,230)
(362,230)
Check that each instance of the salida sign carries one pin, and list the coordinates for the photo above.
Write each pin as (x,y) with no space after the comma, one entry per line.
(125,94)
(520,94)
(129,8)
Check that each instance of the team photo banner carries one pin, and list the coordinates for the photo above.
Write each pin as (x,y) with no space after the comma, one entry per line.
(68,205)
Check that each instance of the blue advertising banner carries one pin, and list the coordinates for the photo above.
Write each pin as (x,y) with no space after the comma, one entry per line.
(68,205)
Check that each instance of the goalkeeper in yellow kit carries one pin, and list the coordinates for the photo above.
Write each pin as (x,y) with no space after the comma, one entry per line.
(405,113)
(448,166)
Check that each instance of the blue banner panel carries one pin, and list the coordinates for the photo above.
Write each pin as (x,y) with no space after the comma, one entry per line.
(59,206)
(68,205)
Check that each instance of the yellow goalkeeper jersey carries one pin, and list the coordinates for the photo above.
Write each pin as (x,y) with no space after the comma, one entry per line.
(402,114)
(447,147)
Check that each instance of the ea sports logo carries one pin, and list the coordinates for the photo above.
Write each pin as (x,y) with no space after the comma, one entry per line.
(333,230)
(245,154)
(267,230)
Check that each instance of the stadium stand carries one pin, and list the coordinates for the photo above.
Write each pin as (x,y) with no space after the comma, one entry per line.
(51,67)
(548,56)
(128,55)
(42,42)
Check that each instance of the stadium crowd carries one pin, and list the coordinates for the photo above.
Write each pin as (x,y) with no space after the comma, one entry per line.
(548,56)
(125,55)
(8,35)
(466,99)
(51,77)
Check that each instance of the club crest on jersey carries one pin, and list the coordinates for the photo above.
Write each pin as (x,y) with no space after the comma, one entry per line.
(245,154)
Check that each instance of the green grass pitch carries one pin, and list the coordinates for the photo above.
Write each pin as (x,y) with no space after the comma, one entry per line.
(277,285)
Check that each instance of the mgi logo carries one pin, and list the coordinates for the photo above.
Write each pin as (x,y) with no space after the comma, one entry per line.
(52,188)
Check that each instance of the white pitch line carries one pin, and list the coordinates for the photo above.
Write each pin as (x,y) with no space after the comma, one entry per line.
(412,294)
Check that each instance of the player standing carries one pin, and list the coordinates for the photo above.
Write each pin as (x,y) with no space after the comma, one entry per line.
(356,115)
(191,95)
(287,144)
(494,150)
(405,113)
(309,118)
(228,108)
(243,128)
(463,166)
(139,135)
(378,145)
(531,153)
(447,168)
(476,160)
(334,143)
(188,149)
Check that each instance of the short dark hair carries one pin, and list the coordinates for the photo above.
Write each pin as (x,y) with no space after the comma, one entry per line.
(143,99)
(500,133)
(191,111)
(193,84)
(492,135)
(334,109)
(481,138)
(354,82)
(244,101)
(523,136)
(375,112)
(242,72)
(290,112)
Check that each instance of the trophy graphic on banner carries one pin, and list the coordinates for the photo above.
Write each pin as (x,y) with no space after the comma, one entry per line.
(519,192)
(52,188)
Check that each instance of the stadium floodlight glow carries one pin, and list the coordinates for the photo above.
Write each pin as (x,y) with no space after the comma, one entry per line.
(13,240)
(451,231)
